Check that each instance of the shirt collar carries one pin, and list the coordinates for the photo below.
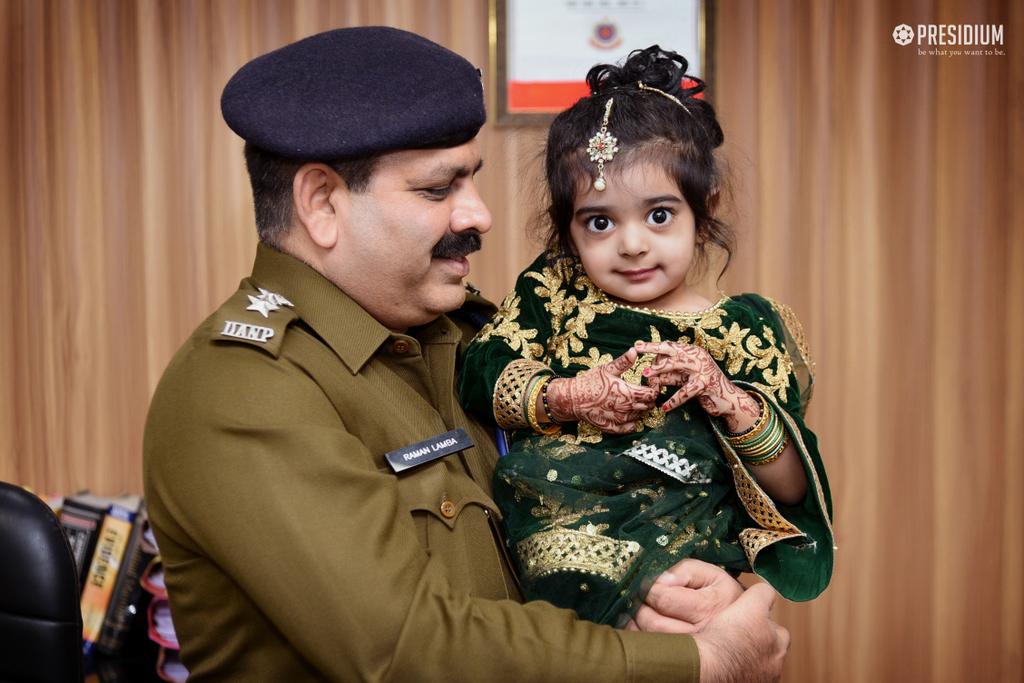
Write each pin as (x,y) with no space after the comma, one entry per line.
(353,334)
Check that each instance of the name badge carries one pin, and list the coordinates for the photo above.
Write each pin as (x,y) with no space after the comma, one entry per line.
(430,449)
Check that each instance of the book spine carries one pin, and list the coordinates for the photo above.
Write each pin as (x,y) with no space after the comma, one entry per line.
(127,591)
(81,526)
(106,562)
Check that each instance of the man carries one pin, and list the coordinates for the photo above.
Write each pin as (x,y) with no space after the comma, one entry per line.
(321,501)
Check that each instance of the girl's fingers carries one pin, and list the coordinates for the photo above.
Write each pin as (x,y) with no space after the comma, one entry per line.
(671,378)
(670,363)
(661,348)
(674,402)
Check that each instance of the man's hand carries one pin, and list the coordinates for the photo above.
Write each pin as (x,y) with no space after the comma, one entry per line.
(686,598)
(742,645)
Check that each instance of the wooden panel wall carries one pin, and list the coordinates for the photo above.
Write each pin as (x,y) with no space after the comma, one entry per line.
(878,191)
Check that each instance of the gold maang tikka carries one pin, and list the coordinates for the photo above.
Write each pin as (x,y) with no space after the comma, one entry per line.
(602,148)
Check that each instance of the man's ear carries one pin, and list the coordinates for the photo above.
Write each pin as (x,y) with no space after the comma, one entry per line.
(318,204)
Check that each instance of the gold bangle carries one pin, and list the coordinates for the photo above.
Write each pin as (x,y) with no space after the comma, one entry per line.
(510,390)
(771,458)
(531,407)
(765,442)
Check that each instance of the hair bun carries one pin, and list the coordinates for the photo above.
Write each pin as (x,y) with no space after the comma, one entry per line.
(654,67)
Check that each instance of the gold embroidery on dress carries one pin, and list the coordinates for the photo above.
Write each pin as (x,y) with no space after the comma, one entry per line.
(585,550)
(568,333)
(585,433)
(776,381)
(736,347)
(635,374)
(728,348)
(503,325)
(688,534)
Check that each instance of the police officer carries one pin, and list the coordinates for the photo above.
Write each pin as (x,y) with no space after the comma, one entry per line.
(321,501)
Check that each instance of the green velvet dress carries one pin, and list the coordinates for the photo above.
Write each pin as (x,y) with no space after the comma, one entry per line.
(592,519)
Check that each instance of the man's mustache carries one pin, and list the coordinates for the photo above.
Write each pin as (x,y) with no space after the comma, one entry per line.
(457,244)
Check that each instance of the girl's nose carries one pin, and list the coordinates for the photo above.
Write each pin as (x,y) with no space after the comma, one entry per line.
(632,241)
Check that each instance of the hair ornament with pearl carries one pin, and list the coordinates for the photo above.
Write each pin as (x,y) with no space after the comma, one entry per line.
(603,147)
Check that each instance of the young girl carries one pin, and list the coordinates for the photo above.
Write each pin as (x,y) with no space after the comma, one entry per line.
(629,455)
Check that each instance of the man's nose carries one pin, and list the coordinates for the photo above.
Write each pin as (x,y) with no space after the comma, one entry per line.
(471,213)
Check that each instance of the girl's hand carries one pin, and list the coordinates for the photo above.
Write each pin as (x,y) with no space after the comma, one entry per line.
(695,372)
(601,397)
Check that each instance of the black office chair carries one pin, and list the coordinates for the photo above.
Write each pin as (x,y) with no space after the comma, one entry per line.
(40,615)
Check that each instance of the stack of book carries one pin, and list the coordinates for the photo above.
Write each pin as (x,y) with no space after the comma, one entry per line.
(116,557)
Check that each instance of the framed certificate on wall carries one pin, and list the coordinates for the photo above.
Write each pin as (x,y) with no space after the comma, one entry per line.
(541,50)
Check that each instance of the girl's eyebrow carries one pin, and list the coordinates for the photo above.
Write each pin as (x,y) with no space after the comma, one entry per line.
(590,209)
(661,199)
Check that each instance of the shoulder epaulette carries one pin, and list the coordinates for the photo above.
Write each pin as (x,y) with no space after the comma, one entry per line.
(254,316)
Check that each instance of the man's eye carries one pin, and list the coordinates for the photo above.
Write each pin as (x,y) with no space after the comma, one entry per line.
(600,224)
(659,216)
(438,192)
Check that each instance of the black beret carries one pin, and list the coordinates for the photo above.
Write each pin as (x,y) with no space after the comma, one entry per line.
(355,91)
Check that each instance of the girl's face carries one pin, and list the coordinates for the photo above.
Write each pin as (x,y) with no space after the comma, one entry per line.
(636,239)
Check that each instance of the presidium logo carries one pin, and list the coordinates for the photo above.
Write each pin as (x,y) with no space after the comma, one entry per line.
(972,37)
(903,34)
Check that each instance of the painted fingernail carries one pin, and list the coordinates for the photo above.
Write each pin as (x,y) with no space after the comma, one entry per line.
(647,371)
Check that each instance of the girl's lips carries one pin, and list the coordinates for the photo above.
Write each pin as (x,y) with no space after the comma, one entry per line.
(637,275)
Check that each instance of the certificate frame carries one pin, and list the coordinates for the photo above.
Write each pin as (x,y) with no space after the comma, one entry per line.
(500,39)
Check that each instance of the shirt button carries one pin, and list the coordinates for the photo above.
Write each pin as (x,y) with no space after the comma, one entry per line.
(400,347)
(448,509)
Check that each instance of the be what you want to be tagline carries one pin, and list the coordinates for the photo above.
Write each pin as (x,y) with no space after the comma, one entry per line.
(952,40)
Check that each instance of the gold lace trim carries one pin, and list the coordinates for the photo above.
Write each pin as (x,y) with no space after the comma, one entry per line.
(562,550)
(509,393)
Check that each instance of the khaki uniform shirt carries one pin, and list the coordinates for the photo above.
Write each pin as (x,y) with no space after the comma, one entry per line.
(294,553)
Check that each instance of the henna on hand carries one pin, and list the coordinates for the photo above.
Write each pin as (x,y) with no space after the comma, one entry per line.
(695,372)
(601,397)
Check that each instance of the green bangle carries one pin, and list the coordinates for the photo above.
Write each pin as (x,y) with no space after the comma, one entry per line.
(767,447)
(533,393)
(771,457)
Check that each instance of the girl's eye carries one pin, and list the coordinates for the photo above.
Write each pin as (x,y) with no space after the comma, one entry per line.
(659,217)
(600,223)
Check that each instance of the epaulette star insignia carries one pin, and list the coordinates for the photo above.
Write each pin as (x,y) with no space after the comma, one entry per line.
(266,302)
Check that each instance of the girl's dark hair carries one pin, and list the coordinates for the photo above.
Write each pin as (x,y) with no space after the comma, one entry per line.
(649,127)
